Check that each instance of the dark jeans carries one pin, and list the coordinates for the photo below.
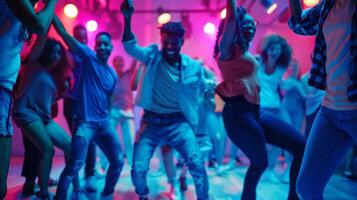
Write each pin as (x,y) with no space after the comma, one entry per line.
(332,135)
(32,158)
(107,139)
(309,121)
(173,129)
(250,129)
(89,169)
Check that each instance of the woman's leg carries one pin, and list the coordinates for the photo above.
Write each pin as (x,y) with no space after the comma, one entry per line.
(281,134)
(30,165)
(31,159)
(246,133)
(38,134)
(326,147)
(108,141)
(5,152)
(62,140)
(309,121)
(218,134)
(128,130)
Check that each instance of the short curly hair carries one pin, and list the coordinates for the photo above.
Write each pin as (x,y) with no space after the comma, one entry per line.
(285,56)
(173,28)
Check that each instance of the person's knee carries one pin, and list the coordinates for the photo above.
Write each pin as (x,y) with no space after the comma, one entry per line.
(195,161)
(67,154)
(298,151)
(48,152)
(117,162)
(139,168)
(260,164)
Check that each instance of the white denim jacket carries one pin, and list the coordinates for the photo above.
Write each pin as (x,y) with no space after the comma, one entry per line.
(191,74)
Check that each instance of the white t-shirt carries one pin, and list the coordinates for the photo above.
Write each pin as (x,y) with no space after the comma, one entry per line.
(269,83)
(337,31)
(10,46)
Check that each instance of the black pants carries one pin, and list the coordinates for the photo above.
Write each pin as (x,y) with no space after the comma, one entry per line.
(250,129)
(32,158)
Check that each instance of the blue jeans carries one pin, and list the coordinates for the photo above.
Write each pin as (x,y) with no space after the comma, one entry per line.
(250,129)
(332,135)
(107,140)
(89,169)
(173,129)
(6,128)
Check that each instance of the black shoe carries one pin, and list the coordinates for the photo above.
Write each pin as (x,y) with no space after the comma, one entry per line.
(28,188)
(143,198)
(183,184)
(212,163)
(350,176)
(180,163)
(239,161)
(43,196)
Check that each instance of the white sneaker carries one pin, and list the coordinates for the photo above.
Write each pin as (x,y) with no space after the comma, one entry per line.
(91,184)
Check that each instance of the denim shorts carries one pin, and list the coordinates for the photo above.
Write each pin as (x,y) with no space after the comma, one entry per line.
(5,113)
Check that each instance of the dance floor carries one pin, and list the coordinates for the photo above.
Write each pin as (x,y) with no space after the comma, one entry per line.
(225,187)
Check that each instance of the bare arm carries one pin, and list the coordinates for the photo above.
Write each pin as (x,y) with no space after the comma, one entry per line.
(133,65)
(226,42)
(37,49)
(127,10)
(136,77)
(295,8)
(71,42)
(35,22)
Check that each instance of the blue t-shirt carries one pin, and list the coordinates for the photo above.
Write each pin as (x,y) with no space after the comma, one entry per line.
(97,84)
(167,86)
(32,105)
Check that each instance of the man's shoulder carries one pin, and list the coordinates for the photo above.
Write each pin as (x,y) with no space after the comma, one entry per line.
(186,59)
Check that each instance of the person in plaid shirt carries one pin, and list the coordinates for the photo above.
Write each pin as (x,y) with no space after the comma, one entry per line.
(334,69)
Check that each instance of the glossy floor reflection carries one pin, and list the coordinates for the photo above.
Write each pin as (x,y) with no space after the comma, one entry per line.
(228,186)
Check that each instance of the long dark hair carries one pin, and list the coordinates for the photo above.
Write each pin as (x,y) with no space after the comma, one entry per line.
(59,71)
(285,56)
(241,41)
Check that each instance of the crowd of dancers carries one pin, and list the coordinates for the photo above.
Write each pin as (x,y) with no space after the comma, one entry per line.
(185,106)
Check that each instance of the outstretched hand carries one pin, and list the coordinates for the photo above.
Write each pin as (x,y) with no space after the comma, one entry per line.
(127,8)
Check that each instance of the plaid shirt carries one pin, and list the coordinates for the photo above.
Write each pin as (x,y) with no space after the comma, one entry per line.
(310,23)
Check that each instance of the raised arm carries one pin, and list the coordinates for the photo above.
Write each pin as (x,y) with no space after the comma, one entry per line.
(304,22)
(129,42)
(71,42)
(295,8)
(34,22)
(127,9)
(226,42)
(133,65)
(37,49)
(135,78)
